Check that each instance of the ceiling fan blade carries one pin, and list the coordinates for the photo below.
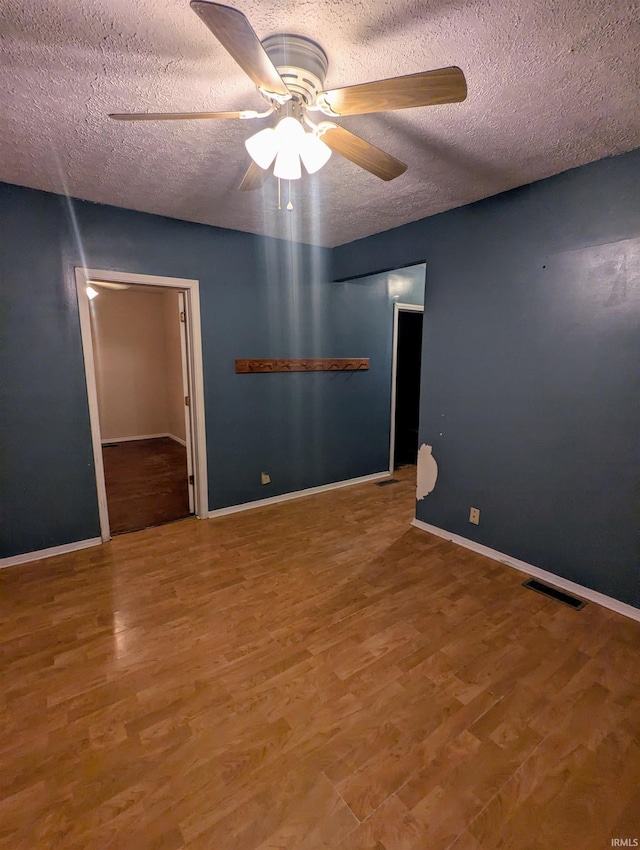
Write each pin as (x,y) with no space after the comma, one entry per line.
(171,116)
(362,153)
(446,85)
(253,179)
(234,32)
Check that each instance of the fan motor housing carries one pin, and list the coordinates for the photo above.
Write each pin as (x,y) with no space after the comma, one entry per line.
(301,63)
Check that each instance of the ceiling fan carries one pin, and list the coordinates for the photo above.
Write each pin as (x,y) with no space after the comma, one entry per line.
(289,71)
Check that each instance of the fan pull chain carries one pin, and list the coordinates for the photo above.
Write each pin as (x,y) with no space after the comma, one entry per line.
(279,204)
(289,205)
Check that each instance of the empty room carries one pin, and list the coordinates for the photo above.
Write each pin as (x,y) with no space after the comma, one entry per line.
(319,425)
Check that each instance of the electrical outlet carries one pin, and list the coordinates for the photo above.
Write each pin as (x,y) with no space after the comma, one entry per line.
(474,516)
(265,478)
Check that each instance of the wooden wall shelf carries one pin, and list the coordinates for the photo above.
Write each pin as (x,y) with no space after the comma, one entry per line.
(344,364)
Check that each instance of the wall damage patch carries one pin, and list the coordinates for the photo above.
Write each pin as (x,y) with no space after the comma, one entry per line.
(427,472)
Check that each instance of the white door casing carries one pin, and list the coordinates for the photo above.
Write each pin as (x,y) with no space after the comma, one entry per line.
(193,374)
(188,426)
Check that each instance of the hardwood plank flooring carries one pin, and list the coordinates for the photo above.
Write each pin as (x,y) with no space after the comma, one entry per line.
(146,483)
(316,674)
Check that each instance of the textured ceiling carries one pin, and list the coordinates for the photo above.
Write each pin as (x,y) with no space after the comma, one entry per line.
(552,85)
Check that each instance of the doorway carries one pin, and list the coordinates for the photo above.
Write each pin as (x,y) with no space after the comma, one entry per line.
(405,387)
(143,366)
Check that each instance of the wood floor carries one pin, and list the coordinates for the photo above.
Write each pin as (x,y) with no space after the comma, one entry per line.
(146,483)
(316,674)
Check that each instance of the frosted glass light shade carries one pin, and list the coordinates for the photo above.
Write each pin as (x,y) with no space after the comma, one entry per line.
(289,132)
(263,147)
(314,153)
(290,136)
(287,165)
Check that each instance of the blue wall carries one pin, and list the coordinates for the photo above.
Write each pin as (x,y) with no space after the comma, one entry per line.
(47,483)
(259,298)
(531,350)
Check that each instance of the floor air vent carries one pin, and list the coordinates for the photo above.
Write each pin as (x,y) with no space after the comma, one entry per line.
(554,593)
(387,482)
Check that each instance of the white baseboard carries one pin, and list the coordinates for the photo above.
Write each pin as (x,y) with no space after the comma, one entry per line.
(177,439)
(145,437)
(536,572)
(138,437)
(49,553)
(297,494)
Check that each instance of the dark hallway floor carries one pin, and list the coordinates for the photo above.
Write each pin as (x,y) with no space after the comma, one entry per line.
(146,483)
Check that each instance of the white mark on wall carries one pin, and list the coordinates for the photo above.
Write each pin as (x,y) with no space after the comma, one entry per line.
(427,472)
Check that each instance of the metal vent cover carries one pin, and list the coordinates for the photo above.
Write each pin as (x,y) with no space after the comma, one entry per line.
(554,593)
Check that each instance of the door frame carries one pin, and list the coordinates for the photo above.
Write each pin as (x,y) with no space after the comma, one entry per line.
(195,377)
(186,389)
(397,309)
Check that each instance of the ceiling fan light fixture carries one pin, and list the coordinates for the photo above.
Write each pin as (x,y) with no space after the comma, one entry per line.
(263,147)
(314,153)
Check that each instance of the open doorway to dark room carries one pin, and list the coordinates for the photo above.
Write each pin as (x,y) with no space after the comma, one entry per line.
(409,352)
